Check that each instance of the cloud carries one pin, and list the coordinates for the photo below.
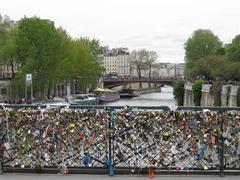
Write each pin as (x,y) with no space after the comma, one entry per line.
(160,25)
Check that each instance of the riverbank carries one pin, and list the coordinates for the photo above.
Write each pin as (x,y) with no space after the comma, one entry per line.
(149,90)
(153,98)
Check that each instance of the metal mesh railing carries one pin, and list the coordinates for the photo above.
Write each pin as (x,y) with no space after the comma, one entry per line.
(52,138)
(121,137)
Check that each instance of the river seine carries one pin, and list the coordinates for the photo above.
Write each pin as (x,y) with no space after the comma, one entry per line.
(163,98)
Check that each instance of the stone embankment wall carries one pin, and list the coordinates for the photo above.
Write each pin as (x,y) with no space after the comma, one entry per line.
(228,95)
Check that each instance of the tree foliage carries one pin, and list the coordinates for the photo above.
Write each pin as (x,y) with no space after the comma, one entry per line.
(36,46)
(138,59)
(201,44)
(197,92)
(210,67)
(178,92)
(233,50)
(7,43)
(143,59)
(39,45)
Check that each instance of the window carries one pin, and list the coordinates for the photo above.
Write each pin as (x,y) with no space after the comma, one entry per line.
(3,91)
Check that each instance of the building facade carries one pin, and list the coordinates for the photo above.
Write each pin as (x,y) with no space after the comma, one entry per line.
(171,70)
(161,70)
(117,61)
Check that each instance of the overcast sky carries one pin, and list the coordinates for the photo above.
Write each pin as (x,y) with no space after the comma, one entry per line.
(159,25)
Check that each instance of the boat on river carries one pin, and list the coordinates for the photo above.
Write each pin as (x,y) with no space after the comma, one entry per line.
(106,95)
(83,99)
(129,93)
(77,99)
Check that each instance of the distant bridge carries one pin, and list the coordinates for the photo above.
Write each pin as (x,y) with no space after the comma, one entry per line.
(114,82)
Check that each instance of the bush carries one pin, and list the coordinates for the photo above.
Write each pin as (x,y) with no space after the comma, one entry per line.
(178,92)
(197,92)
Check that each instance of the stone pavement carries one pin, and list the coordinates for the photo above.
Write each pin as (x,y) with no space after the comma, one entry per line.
(105,177)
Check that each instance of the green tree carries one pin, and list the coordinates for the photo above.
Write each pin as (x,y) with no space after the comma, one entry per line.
(94,45)
(7,43)
(209,67)
(38,47)
(96,68)
(143,59)
(139,59)
(152,57)
(231,71)
(233,50)
(197,92)
(202,43)
(81,64)
(9,53)
(178,92)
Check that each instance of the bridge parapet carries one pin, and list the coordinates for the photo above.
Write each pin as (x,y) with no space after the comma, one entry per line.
(113,82)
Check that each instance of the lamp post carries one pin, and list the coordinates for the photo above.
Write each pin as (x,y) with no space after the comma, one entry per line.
(28,83)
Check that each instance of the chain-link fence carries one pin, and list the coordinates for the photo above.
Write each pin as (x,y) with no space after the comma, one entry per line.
(120,139)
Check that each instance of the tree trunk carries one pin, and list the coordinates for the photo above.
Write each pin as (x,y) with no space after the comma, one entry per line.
(12,70)
(54,91)
(149,75)
(49,90)
(139,76)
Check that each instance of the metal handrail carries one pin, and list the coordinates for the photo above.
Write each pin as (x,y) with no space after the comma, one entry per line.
(19,106)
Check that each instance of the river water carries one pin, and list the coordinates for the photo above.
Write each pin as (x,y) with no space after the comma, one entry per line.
(163,98)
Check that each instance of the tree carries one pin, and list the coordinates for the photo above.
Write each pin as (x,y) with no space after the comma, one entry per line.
(96,68)
(94,45)
(152,57)
(143,59)
(80,64)
(209,67)
(231,71)
(178,92)
(139,59)
(9,53)
(233,50)
(197,92)
(7,43)
(201,44)
(38,48)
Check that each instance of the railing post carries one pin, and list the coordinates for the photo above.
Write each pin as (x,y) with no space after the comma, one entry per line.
(1,143)
(1,156)
(110,159)
(221,172)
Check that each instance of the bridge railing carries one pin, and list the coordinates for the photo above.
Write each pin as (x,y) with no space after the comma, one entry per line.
(120,139)
(137,78)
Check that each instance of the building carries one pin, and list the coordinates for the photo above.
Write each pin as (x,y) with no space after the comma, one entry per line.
(162,70)
(5,72)
(171,70)
(117,61)
(180,69)
(5,76)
